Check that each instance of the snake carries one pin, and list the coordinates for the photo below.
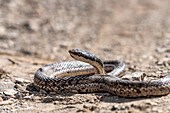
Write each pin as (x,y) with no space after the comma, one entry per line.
(88,73)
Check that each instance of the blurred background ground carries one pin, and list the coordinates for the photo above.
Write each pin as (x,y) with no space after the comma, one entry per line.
(35,33)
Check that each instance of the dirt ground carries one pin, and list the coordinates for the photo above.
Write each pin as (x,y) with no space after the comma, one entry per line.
(35,33)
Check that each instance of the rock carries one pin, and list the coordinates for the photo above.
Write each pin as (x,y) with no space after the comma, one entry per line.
(48,99)
(90,107)
(18,86)
(152,103)
(1,99)
(6,85)
(27,81)
(160,50)
(3,30)
(4,62)
(10,92)
(21,80)
(34,25)
(8,102)
(159,63)
(81,110)
(114,107)
(136,76)
(27,97)
(31,76)
(154,109)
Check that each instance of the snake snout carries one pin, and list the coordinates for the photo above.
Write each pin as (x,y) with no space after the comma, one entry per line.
(75,51)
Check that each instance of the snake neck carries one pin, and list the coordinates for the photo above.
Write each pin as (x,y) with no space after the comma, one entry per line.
(90,58)
(98,68)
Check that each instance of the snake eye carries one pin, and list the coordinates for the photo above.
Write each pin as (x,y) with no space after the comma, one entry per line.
(77,52)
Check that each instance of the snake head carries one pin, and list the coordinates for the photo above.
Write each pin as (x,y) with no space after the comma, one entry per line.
(84,56)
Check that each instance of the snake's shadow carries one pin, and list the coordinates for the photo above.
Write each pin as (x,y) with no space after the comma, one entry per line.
(102,96)
(109,98)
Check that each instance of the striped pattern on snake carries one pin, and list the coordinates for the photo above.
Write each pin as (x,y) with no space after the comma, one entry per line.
(90,74)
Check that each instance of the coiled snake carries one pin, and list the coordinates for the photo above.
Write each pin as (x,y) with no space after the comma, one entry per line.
(95,75)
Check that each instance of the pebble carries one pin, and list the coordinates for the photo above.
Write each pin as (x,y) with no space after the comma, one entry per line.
(138,76)
(158,72)
(8,102)
(18,86)
(155,109)
(107,49)
(64,45)
(114,107)
(152,103)
(90,107)
(27,97)
(160,50)
(48,99)
(159,63)
(4,62)
(31,76)
(10,92)
(1,99)
(34,26)
(6,85)
(21,80)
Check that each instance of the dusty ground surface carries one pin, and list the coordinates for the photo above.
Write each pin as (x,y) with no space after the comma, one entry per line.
(34,33)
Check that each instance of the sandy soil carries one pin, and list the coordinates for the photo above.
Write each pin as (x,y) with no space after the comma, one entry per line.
(35,33)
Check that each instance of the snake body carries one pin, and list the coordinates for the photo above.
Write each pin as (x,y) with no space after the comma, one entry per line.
(90,74)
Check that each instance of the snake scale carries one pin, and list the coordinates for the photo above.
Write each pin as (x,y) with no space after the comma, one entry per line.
(90,74)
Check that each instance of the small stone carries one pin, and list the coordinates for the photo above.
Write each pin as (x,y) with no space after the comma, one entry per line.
(91,101)
(114,107)
(37,98)
(3,30)
(4,62)
(10,92)
(158,72)
(64,45)
(159,63)
(27,97)
(6,85)
(81,110)
(8,102)
(26,81)
(136,76)
(55,102)
(160,50)
(1,99)
(47,99)
(31,76)
(92,108)
(18,86)
(154,109)
(123,108)
(71,106)
(21,80)
(34,25)
(152,103)
(85,106)
(107,49)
